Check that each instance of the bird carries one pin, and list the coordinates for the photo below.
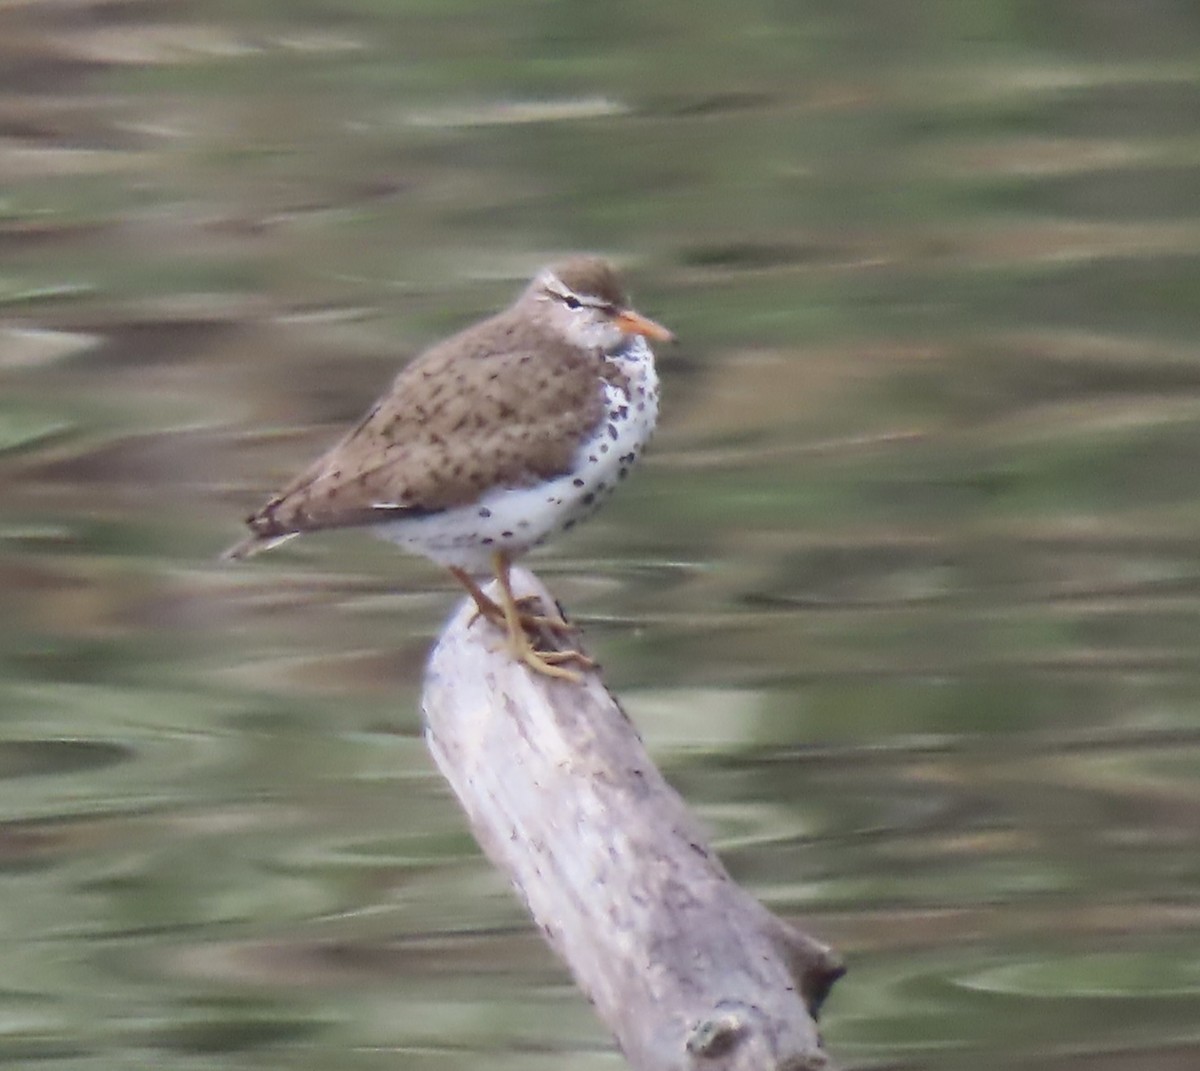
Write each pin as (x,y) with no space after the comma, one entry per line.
(491,442)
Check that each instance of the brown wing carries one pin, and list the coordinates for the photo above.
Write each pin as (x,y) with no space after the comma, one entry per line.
(499,404)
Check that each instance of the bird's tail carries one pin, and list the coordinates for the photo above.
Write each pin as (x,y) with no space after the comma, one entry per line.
(254,544)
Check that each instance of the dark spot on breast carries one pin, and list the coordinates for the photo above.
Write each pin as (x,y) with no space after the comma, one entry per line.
(569,525)
(484,511)
(507,535)
(488,541)
(623,473)
(612,432)
(604,448)
(622,412)
(588,499)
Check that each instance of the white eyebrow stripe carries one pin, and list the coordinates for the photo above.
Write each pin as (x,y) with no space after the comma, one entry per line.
(584,299)
(554,287)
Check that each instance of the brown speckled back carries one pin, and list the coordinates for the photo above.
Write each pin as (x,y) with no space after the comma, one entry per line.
(502,403)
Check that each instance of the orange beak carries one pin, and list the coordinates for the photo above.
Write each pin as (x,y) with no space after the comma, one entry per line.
(634,323)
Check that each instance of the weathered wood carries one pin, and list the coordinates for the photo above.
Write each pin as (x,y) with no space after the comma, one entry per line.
(689,971)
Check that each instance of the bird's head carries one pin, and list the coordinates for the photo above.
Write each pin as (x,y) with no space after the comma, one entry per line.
(582,300)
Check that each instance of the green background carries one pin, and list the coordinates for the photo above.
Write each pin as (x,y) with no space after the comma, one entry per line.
(905,598)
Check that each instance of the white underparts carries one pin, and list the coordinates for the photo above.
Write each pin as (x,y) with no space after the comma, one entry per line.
(515,519)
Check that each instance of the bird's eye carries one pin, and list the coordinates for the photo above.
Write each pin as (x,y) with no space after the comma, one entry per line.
(572,302)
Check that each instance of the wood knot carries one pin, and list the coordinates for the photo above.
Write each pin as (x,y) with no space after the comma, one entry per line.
(717,1035)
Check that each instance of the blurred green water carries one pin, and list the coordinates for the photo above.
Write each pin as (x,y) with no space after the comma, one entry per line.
(905,598)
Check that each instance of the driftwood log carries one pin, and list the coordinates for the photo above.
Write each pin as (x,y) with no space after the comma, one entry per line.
(687,970)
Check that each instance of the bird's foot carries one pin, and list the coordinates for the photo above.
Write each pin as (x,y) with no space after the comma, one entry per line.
(543,626)
(530,612)
(549,663)
(535,636)
(536,624)
(488,611)
(542,644)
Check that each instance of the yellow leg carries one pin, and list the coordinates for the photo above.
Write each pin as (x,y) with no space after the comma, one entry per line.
(492,611)
(544,662)
(484,607)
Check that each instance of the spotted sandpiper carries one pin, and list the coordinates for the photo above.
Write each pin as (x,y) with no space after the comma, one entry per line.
(491,442)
